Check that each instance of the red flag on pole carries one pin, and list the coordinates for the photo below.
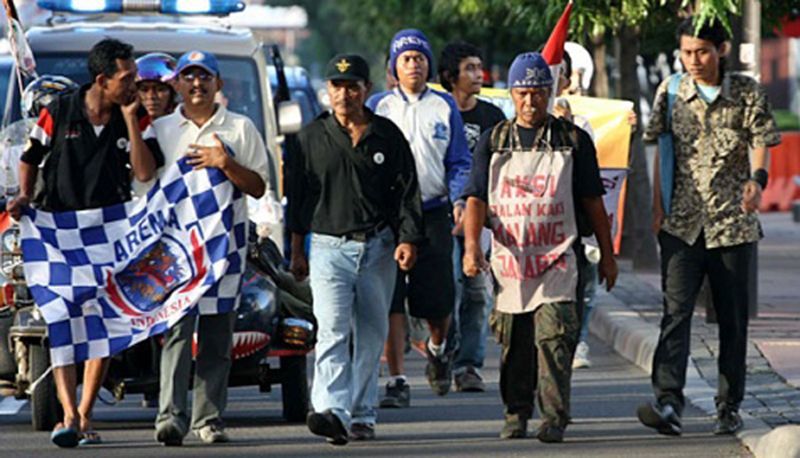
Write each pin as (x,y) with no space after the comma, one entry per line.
(553,51)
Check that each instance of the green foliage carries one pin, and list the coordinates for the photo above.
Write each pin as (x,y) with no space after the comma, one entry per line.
(503,28)
(786,120)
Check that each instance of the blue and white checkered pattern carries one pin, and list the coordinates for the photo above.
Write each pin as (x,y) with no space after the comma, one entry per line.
(73,260)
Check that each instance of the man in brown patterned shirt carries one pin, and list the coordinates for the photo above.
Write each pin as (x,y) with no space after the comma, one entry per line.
(721,125)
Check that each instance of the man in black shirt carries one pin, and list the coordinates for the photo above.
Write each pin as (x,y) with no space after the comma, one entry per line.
(357,193)
(92,141)
(461,74)
(529,177)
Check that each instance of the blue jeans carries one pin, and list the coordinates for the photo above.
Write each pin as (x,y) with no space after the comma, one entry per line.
(352,283)
(470,328)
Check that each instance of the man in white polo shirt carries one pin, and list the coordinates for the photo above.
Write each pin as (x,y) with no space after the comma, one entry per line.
(208,136)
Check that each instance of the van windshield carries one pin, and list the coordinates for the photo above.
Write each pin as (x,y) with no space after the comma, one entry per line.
(240,76)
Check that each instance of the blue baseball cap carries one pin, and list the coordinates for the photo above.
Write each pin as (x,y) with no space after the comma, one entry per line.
(529,70)
(202,59)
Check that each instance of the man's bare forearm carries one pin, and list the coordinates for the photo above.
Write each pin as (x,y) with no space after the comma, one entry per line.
(759,159)
(246,180)
(474,216)
(27,178)
(598,218)
(143,163)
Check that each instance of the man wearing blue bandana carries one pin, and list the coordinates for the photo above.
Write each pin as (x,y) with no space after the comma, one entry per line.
(531,178)
(432,124)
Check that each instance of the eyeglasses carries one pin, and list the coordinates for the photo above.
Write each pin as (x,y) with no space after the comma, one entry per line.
(200,75)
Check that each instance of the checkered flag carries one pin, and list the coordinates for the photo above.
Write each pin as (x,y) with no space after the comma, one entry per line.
(105,279)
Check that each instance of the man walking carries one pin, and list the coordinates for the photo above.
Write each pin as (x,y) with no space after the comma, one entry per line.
(357,188)
(706,193)
(530,175)
(461,74)
(91,142)
(432,125)
(208,135)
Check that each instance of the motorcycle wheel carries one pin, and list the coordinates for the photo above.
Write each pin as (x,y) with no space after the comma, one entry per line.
(294,388)
(45,408)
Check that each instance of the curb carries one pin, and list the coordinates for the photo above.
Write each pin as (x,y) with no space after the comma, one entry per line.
(635,340)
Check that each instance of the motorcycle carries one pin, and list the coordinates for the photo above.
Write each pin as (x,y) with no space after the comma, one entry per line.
(274,321)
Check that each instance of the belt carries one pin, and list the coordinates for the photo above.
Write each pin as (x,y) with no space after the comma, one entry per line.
(363,236)
(435,202)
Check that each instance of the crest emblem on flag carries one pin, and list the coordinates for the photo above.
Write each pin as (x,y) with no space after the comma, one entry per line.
(152,276)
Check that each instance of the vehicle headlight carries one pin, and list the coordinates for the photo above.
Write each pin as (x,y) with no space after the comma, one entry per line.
(297,332)
(11,241)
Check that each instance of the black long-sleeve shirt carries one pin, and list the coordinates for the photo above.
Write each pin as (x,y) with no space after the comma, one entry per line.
(338,188)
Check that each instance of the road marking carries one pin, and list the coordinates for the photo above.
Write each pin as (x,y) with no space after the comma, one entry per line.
(10,406)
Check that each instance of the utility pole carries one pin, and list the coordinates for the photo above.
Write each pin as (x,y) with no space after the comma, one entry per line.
(750,47)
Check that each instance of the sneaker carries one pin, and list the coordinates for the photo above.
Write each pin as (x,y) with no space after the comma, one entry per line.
(398,394)
(212,434)
(728,422)
(362,432)
(169,434)
(470,381)
(581,359)
(439,371)
(327,424)
(550,434)
(665,419)
(515,427)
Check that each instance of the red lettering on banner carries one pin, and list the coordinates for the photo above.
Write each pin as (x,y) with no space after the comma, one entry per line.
(524,186)
(505,190)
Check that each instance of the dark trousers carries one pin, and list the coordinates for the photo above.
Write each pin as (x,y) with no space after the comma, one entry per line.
(683,267)
(538,359)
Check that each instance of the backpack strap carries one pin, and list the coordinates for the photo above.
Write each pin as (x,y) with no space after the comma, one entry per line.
(499,136)
(672,92)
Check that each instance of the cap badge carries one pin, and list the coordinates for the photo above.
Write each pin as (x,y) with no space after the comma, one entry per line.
(535,74)
(195,56)
(343,65)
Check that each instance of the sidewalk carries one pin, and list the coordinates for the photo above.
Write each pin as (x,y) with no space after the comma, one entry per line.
(629,317)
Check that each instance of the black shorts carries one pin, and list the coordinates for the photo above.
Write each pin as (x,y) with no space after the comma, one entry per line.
(429,286)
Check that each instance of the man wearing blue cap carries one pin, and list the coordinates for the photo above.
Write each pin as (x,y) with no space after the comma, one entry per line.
(433,127)
(208,135)
(530,177)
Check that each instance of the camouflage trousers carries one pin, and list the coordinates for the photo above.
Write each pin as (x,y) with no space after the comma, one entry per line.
(537,360)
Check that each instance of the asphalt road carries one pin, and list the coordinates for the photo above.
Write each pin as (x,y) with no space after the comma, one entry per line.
(457,425)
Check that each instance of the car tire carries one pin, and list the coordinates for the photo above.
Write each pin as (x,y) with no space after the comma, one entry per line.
(45,408)
(294,388)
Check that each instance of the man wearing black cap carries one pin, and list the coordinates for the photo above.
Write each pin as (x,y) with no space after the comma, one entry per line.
(358,196)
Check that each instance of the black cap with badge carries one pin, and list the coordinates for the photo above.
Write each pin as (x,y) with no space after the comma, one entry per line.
(350,67)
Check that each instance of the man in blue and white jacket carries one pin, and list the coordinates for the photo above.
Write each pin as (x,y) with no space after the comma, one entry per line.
(432,124)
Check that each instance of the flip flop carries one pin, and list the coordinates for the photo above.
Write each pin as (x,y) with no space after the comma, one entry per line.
(65,437)
(90,438)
